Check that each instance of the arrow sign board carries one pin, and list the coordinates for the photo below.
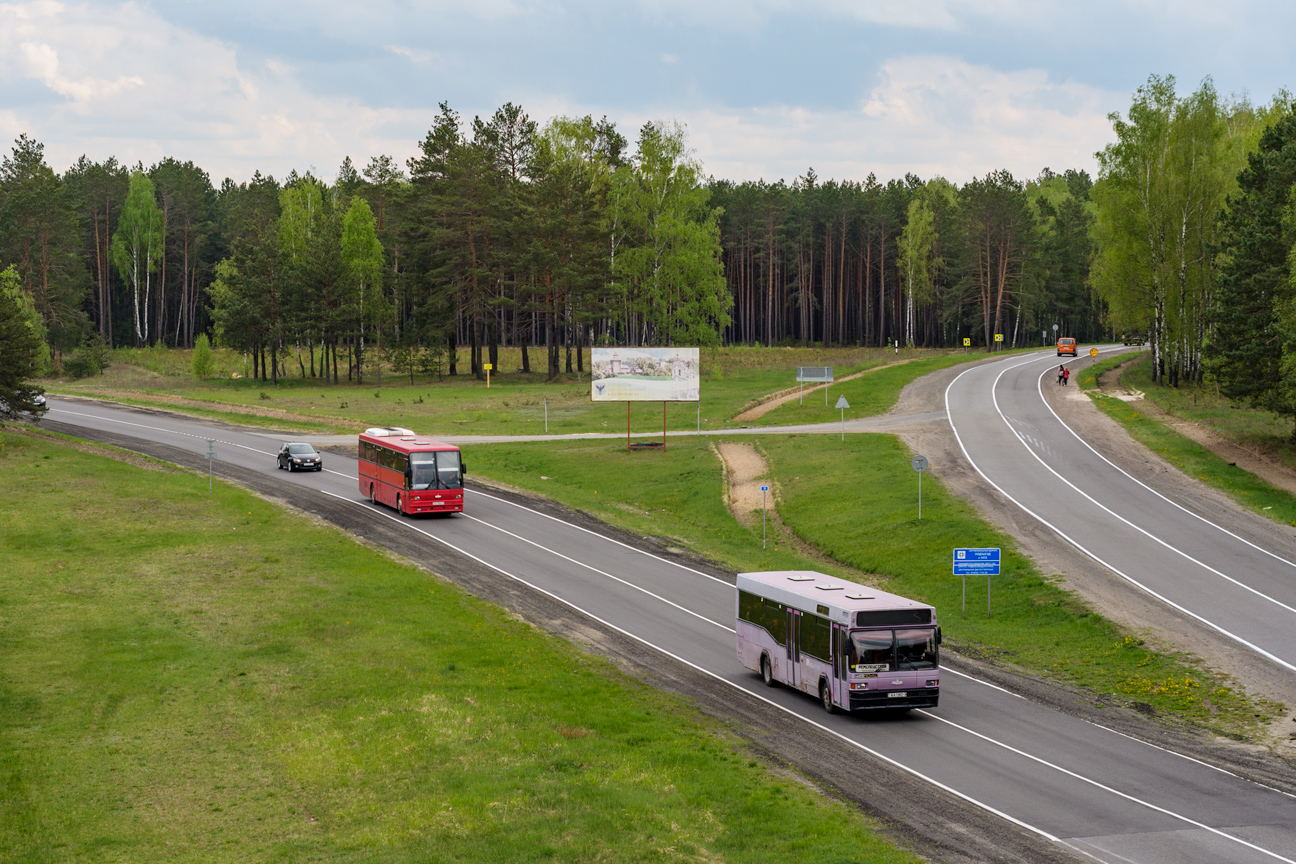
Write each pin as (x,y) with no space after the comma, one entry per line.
(919,463)
(976,562)
(842,403)
(967,342)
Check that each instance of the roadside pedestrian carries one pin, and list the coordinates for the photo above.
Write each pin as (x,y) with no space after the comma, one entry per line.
(1061,371)
(1066,376)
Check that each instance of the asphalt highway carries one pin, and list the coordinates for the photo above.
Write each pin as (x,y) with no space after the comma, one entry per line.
(1231,583)
(1073,785)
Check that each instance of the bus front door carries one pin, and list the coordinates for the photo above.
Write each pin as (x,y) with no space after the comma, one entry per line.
(793,649)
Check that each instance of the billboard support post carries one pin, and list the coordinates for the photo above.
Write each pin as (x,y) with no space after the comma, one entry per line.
(663,427)
(627,427)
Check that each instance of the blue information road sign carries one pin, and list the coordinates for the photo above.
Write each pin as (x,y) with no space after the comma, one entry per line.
(976,562)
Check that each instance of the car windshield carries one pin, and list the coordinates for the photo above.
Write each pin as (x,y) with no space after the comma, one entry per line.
(301,449)
(434,470)
(916,649)
(869,651)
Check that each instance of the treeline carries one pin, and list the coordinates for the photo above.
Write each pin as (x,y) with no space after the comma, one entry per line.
(553,238)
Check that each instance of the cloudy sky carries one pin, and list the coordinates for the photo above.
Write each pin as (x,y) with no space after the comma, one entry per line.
(766,88)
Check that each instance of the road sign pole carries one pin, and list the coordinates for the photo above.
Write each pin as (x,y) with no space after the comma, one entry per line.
(965,596)
(211,454)
(764,489)
(546,401)
(987,596)
(919,496)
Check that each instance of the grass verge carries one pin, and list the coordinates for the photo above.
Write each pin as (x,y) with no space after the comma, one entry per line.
(857,502)
(213,678)
(1187,455)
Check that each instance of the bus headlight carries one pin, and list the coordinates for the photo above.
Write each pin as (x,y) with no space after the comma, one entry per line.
(933,683)
(859,685)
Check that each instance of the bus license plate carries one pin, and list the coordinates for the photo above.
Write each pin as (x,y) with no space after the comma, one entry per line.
(898,695)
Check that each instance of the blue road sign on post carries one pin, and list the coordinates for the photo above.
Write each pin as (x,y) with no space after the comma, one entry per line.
(976,562)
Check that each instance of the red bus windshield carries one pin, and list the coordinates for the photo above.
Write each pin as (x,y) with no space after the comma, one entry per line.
(435,470)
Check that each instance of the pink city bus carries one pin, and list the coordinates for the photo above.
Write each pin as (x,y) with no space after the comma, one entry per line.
(853,646)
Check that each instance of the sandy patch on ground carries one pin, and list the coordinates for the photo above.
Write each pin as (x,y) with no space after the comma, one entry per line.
(745,471)
(782,397)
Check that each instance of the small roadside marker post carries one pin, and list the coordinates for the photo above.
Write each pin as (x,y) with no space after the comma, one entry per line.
(546,400)
(487,367)
(211,454)
(976,562)
(919,464)
(764,489)
(843,405)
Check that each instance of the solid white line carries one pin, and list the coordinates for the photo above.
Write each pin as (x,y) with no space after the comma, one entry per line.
(1105,787)
(1149,488)
(603,573)
(982,681)
(994,396)
(1095,557)
(603,536)
(887,759)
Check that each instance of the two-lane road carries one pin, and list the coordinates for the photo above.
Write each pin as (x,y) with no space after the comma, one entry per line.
(1075,786)
(1234,584)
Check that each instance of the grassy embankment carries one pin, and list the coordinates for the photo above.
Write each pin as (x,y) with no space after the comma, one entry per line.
(515,404)
(857,501)
(215,679)
(1247,426)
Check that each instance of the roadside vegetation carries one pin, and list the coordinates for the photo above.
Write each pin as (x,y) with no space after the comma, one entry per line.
(515,404)
(856,501)
(1251,427)
(217,679)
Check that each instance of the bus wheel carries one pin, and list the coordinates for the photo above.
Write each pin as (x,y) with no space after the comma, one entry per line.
(767,673)
(373,499)
(825,695)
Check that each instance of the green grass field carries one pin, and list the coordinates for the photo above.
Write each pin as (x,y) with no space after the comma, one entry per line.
(857,502)
(1187,455)
(214,679)
(515,404)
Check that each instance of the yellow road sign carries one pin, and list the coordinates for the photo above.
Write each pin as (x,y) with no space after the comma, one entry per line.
(998,337)
(1093,352)
(488,367)
(967,342)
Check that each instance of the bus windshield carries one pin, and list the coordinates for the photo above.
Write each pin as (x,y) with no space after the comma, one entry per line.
(891,650)
(434,470)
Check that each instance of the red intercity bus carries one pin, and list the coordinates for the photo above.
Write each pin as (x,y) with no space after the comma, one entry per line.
(410,472)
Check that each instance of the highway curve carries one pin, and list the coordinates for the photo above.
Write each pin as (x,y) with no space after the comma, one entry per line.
(987,776)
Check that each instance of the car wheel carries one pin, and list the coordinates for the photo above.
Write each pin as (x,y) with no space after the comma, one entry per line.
(767,672)
(825,696)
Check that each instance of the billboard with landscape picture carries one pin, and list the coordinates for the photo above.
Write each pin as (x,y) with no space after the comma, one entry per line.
(644,374)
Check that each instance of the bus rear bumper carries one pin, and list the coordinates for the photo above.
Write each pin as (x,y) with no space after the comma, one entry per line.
(922,697)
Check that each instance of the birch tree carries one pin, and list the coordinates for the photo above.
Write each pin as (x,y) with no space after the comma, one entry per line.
(136,246)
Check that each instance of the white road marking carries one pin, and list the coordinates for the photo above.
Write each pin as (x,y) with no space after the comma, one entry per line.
(1095,557)
(1274,555)
(1106,788)
(602,573)
(853,743)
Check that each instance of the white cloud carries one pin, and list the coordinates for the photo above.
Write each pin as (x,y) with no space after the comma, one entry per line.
(176,93)
(928,115)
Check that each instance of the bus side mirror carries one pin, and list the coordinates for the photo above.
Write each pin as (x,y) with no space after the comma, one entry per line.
(463,469)
(938,636)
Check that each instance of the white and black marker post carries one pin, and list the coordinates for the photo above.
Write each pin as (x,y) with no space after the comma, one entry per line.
(764,489)
(843,405)
(211,454)
(919,464)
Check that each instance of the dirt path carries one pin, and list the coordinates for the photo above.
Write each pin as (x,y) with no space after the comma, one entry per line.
(745,472)
(1263,465)
(782,397)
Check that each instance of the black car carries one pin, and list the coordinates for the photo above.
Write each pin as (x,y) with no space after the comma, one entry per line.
(299,457)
